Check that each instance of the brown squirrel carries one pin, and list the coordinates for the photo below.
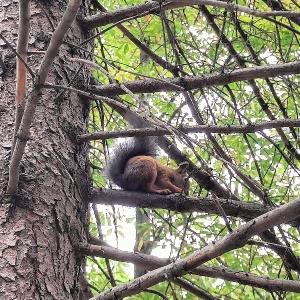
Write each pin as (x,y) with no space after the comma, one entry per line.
(134,168)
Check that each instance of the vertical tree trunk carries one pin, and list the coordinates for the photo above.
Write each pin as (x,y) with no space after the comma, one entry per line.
(39,228)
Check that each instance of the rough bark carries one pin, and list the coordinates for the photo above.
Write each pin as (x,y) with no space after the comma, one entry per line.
(41,226)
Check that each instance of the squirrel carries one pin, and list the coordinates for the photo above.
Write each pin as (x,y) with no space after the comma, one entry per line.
(133,167)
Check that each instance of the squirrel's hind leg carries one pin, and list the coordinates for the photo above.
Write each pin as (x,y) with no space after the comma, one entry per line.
(166,184)
(152,188)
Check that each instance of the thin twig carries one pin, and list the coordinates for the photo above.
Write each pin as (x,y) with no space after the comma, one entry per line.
(197,82)
(221,211)
(2,65)
(226,129)
(17,54)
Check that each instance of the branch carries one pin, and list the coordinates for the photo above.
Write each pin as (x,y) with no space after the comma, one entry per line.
(84,286)
(160,61)
(150,262)
(231,207)
(22,135)
(235,7)
(2,65)
(154,7)
(193,288)
(226,129)
(236,239)
(22,48)
(57,39)
(21,66)
(142,260)
(120,14)
(178,203)
(267,283)
(197,82)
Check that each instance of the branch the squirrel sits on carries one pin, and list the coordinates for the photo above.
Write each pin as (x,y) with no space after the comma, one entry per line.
(134,168)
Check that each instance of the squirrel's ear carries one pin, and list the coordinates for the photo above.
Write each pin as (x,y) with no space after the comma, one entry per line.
(183,167)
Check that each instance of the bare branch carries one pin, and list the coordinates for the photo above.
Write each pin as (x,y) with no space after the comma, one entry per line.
(57,39)
(113,16)
(142,260)
(84,286)
(267,283)
(226,129)
(150,262)
(236,239)
(153,7)
(22,48)
(192,288)
(21,73)
(197,82)
(235,7)
(16,53)
(21,140)
(2,65)
(23,132)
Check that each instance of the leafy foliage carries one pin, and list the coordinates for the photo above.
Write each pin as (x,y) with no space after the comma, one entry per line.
(260,167)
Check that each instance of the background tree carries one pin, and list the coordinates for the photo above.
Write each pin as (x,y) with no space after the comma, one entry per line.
(219,79)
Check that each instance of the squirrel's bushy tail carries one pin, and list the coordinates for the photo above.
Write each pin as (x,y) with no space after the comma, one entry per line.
(122,152)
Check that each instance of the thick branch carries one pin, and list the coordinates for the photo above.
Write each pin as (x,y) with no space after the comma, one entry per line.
(150,262)
(176,202)
(197,82)
(236,239)
(22,137)
(153,7)
(114,16)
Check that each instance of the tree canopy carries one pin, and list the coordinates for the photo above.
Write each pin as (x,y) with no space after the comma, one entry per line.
(220,80)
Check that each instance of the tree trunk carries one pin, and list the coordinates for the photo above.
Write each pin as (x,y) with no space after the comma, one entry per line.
(41,225)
